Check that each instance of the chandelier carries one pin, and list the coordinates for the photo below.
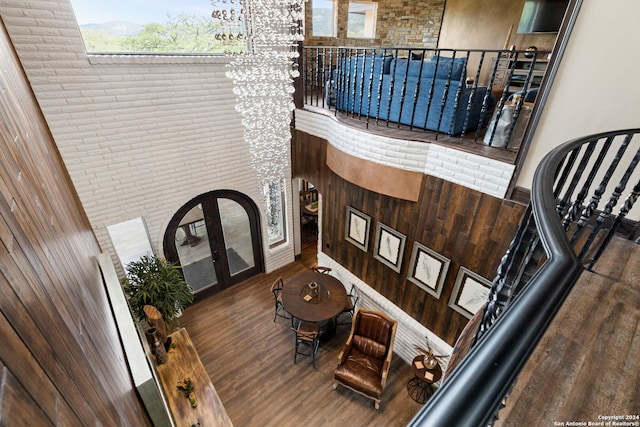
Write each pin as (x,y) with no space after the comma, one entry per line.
(261,37)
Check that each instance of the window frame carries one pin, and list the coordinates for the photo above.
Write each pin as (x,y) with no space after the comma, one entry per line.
(334,16)
(369,18)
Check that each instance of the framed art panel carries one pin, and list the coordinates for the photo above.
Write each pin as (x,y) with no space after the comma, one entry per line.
(389,246)
(470,292)
(428,269)
(357,228)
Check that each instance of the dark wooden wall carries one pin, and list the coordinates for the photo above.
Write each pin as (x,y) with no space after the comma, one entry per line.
(470,228)
(61,362)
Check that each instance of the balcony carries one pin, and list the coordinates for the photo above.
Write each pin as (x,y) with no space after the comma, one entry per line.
(476,100)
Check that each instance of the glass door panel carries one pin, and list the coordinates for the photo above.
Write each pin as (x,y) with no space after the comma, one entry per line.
(194,251)
(236,231)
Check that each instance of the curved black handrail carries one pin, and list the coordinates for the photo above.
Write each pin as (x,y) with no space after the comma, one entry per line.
(474,393)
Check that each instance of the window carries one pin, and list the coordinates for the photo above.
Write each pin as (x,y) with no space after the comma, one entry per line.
(323,18)
(274,193)
(362,20)
(130,240)
(149,26)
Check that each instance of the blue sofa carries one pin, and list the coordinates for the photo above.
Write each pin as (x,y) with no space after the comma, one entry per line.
(404,90)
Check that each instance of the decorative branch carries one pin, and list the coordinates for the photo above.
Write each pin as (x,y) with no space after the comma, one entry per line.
(428,351)
(188,389)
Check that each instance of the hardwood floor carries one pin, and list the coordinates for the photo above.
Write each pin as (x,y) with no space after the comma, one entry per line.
(249,359)
(586,364)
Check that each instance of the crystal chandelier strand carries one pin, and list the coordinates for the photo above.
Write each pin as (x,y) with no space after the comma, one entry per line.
(263,73)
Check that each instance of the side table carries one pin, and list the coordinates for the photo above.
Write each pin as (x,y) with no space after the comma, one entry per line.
(420,386)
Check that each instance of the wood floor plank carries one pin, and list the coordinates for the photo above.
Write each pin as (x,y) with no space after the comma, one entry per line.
(586,364)
(249,359)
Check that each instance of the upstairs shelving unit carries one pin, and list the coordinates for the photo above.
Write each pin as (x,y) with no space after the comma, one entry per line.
(521,66)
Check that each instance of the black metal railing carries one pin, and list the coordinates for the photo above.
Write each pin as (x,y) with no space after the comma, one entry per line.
(472,94)
(571,219)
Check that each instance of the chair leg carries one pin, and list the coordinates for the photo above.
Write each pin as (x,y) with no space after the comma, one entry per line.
(314,349)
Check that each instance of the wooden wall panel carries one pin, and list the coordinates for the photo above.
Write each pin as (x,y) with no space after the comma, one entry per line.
(60,347)
(470,228)
(18,407)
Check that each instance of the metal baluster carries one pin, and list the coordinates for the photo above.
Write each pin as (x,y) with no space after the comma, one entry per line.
(342,70)
(505,92)
(587,211)
(613,200)
(303,74)
(392,85)
(380,80)
(416,90)
(369,86)
(361,82)
(485,103)
(333,77)
(445,95)
(572,210)
(316,75)
(403,88)
(456,98)
(502,286)
(432,87)
(624,210)
(354,80)
(516,113)
(568,163)
(351,81)
(474,90)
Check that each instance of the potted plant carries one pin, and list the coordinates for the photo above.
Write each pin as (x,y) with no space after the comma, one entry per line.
(157,282)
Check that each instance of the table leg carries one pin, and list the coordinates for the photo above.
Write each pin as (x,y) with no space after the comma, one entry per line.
(190,239)
(419,390)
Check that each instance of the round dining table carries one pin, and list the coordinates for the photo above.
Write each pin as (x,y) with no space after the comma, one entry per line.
(314,303)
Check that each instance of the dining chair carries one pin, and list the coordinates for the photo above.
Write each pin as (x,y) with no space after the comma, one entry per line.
(306,335)
(276,289)
(350,306)
(321,269)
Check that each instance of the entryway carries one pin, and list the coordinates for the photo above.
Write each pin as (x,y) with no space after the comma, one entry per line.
(308,223)
(216,239)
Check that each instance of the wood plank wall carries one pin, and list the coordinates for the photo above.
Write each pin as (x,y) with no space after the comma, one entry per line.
(61,362)
(470,228)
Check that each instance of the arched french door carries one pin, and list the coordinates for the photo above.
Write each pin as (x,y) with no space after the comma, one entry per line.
(216,239)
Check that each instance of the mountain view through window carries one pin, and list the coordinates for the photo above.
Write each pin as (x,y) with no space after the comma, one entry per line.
(150,26)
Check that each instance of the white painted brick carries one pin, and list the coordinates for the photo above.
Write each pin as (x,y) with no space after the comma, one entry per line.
(473,171)
(468,164)
(498,180)
(493,169)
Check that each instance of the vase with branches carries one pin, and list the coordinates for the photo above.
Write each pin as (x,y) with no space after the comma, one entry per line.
(430,359)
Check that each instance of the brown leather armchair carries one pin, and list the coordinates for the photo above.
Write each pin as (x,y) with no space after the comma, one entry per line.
(366,357)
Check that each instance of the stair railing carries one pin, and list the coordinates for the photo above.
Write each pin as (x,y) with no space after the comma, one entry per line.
(568,225)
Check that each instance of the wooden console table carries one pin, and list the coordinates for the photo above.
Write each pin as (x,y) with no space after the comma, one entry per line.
(184,362)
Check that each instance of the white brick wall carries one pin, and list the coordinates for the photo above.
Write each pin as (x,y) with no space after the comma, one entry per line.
(140,135)
(479,173)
